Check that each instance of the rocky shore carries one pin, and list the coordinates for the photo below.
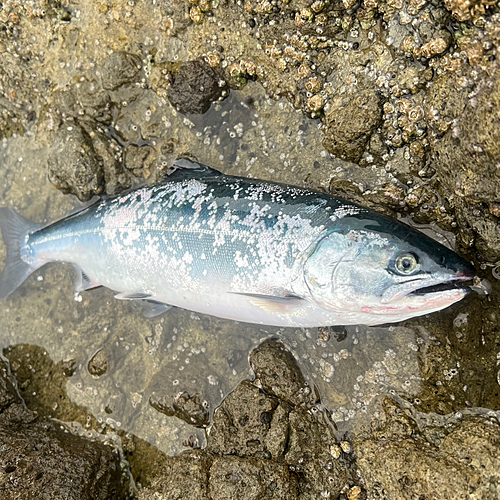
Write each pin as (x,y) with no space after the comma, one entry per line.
(393,104)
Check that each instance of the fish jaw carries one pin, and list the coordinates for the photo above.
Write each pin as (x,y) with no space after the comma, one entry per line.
(421,296)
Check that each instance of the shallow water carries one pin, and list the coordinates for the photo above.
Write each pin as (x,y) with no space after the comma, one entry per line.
(442,363)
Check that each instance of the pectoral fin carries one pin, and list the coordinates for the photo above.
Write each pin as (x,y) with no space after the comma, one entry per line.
(274,304)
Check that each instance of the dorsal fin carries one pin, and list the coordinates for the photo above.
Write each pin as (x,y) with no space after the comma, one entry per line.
(183,168)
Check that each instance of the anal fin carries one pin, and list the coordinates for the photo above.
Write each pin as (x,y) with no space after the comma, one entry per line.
(83,282)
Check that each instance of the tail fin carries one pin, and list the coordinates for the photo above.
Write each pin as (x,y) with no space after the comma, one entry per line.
(14,228)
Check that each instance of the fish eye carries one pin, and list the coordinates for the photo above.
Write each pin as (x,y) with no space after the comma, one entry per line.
(406,263)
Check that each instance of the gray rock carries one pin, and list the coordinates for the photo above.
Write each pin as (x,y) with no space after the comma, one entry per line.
(241,423)
(187,407)
(120,68)
(251,479)
(41,460)
(7,393)
(467,157)
(74,166)
(183,477)
(98,364)
(349,128)
(400,461)
(278,372)
(195,87)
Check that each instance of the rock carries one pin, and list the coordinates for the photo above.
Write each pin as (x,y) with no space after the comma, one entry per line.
(187,407)
(400,461)
(467,155)
(251,479)
(241,423)
(195,87)
(349,127)
(9,122)
(85,102)
(465,10)
(85,163)
(74,166)
(7,393)
(39,459)
(43,389)
(138,157)
(259,447)
(198,475)
(183,477)
(98,364)
(278,373)
(110,155)
(309,451)
(118,69)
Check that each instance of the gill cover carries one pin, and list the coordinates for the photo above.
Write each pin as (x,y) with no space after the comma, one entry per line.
(321,264)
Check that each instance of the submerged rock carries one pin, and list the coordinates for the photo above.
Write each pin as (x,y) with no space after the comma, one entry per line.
(262,447)
(40,459)
(118,69)
(98,364)
(85,163)
(74,166)
(187,407)
(400,462)
(278,372)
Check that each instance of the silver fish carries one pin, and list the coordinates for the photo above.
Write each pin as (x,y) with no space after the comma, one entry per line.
(246,250)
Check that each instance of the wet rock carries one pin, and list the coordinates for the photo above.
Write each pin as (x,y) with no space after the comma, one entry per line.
(137,158)
(9,122)
(259,447)
(399,460)
(145,460)
(118,69)
(465,10)
(110,155)
(309,451)
(41,460)
(195,87)
(242,422)
(98,364)
(74,166)
(42,383)
(187,407)
(278,373)
(467,154)
(251,479)
(184,476)
(84,162)
(7,393)
(349,127)
(84,101)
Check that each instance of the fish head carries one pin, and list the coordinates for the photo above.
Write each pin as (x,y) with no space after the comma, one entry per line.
(382,270)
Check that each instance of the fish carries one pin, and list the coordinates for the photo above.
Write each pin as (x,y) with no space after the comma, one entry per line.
(245,250)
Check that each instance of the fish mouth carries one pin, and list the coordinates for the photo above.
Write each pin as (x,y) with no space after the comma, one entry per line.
(456,285)
(428,288)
